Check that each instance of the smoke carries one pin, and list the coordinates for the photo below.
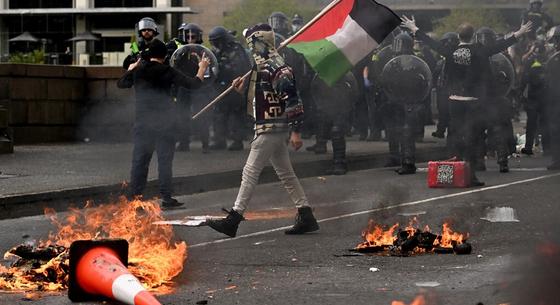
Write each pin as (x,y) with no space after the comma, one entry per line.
(389,195)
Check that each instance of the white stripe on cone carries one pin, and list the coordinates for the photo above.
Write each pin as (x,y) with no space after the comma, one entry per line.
(353,41)
(126,287)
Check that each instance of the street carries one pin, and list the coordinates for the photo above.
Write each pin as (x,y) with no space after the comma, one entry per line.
(264,266)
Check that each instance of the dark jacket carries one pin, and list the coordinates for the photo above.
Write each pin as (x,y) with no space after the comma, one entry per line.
(152,81)
(470,72)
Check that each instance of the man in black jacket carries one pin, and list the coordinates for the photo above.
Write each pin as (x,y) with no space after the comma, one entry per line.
(469,79)
(154,125)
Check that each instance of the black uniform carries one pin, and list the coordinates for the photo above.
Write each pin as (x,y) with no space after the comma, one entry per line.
(230,114)
(154,125)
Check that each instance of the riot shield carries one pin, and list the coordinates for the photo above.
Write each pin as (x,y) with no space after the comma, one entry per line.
(406,79)
(187,57)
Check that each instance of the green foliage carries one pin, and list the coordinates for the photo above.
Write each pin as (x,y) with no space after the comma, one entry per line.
(34,57)
(477,17)
(250,12)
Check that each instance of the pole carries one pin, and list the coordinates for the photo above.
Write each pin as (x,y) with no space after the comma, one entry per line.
(283,44)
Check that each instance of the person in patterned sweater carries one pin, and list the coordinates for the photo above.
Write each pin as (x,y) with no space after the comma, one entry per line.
(274,103)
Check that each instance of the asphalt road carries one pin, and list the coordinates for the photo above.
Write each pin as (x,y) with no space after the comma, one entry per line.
(264,266)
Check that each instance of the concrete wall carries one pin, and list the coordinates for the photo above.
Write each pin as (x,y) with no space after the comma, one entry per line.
(64,103)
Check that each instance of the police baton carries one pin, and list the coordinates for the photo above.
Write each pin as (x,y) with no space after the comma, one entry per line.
(283,44)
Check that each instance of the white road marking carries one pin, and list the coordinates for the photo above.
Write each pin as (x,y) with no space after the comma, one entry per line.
(405,204)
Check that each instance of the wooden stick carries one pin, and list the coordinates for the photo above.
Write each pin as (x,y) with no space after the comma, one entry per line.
(283,44)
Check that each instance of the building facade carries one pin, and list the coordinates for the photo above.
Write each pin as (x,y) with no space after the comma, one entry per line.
(53,23)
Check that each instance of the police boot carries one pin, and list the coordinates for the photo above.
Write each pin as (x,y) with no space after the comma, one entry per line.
(228,225)
(339,152)
(339,168)
(236,145)
(504,168)
(439,134)
(305,222)
(527,151)
(406,169)
(475,181)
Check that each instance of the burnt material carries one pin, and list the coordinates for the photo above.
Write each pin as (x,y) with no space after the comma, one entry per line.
(410,242)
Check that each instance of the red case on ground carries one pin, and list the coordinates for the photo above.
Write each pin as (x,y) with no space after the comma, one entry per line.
(443,174)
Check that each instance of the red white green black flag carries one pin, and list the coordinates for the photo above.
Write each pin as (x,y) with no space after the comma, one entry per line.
(343,36)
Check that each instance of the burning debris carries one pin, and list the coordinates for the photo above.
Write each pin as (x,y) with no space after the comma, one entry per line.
(153,256)
(396,242)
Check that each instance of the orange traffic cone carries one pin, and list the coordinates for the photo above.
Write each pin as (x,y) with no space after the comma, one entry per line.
(98,270)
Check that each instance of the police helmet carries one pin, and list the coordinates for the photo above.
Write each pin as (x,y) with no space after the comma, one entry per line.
(485,36)
(450,38)
(147,23)
(297,23)
(190,30)
(220,36)
(279,23)
(403,44)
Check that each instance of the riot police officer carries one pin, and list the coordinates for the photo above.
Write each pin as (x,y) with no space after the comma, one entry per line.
(297,23)
(229,115)
(533,78)
(334,105)
(147,30)
(188,33)
(280,24)
(406,81)
(542,22)
(497,112)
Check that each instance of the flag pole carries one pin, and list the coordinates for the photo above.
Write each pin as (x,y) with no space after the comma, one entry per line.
(283,44)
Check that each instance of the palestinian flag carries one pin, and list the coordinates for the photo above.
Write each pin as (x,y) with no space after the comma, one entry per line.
(343,36)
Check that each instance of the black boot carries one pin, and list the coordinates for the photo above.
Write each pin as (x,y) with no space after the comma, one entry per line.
(504,168)
(305,222)
(527,151)
(406,169)
(228,225)
(339,168)
(438,134)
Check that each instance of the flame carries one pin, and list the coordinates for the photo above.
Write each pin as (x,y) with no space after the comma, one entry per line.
(449,237)
(377,236)
(419,300)
(154,258)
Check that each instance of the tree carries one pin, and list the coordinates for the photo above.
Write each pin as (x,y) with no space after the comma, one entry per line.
(250,12)
(477,17)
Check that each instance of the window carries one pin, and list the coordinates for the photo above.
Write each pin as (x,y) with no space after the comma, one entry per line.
(124,3)
(15,4)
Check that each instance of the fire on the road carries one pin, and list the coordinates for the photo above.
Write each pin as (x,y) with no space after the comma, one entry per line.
(380,239)
(154,257)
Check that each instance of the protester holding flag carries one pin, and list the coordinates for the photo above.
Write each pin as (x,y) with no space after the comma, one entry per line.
(274,103)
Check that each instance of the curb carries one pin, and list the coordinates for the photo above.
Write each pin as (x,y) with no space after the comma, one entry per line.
(35,204)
